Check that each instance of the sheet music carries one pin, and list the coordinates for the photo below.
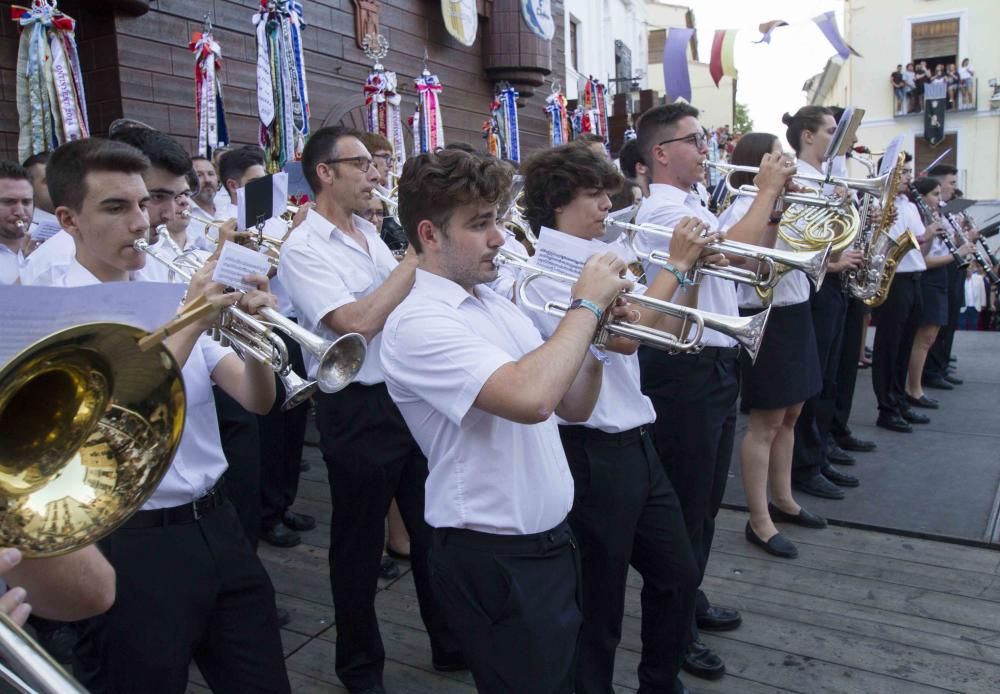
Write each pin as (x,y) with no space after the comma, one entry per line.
(29,314)
(563,253)
(236,262)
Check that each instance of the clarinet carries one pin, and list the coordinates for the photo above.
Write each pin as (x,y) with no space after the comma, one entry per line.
(928,214)
(984,261)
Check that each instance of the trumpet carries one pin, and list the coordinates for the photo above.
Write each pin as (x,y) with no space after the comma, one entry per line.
(339,360)
(749,332)
(513,221)
(773,264)
(268,243)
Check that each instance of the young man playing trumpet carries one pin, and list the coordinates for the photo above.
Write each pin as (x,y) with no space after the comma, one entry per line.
(189,585)
(478,386)
(625,512)
(16,206)
(695,395)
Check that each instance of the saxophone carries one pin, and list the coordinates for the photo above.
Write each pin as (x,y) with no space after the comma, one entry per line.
(871,282)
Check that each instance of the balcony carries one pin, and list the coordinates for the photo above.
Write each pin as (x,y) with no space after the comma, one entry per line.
(959,99)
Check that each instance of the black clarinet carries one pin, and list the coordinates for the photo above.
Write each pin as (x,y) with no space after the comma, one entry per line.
(928,215)
(983,260)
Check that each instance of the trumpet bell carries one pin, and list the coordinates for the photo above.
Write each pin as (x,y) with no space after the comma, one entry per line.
(297,390)
(340,362)
(112,415)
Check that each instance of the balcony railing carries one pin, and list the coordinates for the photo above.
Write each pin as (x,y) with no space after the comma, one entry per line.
(960,98)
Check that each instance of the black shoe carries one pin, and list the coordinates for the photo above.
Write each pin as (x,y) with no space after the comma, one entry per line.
(389,569)
(914,417)
(803,517)
(852,443)
(893,422)
(836,454)
(841,479)
(923,401)
(281,536)
(938,383)
(954,380)
(701,661)
(778,545)
(284,616)
(298,521)
(817,485)
(719,619)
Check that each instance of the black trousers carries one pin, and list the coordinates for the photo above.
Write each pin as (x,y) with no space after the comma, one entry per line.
(241,445)
(829,308)
(897,320)
(694,396)
(282,435)
(626,513)
(514,603)
(190,591)
(939,355)
(371,457)
(847,365)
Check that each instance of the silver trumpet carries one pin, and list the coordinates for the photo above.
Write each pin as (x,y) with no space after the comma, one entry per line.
(749,332)
(265,242)
(773,263)
(339,360)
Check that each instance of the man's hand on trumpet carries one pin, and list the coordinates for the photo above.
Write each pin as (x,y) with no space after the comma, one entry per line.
(775,172)
(689,245)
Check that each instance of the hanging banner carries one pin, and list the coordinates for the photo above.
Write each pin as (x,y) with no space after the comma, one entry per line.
(558,117)
(428,127)
(827,23)
(208,107)
(461,20)
(382,102)
(721,63)
(51,104)
(282,97)
(537,14)
(501,130)
(676,80)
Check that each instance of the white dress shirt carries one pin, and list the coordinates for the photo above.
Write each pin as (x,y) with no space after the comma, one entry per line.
(11,263)
(50,260)
(487,473)
(621,406)
(199,461)
(792,288)
(908,217)
(666,206)
(323,269)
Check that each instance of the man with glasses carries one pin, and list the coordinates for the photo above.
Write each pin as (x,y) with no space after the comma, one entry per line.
(384,160)
(694,395)
(342,278)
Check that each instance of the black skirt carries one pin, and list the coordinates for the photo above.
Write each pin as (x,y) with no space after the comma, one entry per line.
(934,295)
(787,368)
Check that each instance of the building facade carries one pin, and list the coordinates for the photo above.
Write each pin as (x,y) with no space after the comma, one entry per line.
(605,39)
(943,32)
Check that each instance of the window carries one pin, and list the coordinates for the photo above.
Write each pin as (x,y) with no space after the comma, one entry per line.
(623,65)
(574,26)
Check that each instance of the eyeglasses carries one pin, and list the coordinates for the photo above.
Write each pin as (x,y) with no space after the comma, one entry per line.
(697,139)
(363,163)
(384,156)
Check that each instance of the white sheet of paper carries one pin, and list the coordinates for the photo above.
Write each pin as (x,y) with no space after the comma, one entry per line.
(236,262)
(892,151)
(29,314)
(563,253)
(279,199)
(44,226)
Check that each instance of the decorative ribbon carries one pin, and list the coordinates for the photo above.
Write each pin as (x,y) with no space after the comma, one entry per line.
(208,106)
(50,98)
(559,129)
(282,97)
(506,138)
(766,28)
(827,23)
(428,128)
(382,112)
(594,116)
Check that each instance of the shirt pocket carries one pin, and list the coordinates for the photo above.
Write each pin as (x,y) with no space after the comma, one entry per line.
(357,280)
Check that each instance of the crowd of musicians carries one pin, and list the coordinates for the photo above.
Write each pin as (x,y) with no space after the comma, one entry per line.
(530,466)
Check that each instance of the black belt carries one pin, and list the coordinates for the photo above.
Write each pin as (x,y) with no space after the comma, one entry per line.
(185,513)
(475,539)
(621,438)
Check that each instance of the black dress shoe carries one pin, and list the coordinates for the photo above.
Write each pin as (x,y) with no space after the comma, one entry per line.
(954,380)
(817,485)
(852,443)
(298,521)
(893,422)
(803,517)
(778,545)
(923,401)
(389,569)
(841,479)
(701,661)
(914,417)
(938,383)
(718,619)
(281,536)
(836,454)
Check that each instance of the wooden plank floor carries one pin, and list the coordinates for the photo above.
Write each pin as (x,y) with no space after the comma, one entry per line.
(857,612)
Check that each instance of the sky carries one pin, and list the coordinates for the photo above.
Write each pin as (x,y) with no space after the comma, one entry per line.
(770,76)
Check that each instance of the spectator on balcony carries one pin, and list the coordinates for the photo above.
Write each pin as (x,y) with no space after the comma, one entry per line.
(953,82)
(921,77)
(899,89)
(911,88)
(966,75)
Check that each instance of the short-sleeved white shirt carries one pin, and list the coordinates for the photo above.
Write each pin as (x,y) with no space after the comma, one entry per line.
(487,473)
(908,217)
(323,269)
(666,206)
(507,274)
(11,263)
(199,461)
(50,260)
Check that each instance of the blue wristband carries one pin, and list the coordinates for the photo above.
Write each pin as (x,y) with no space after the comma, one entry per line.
(589,305)
(681,277)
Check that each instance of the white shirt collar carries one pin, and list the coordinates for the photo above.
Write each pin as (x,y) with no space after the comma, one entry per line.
(451,293)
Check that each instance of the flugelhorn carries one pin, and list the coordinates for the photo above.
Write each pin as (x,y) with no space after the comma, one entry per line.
(749,332)
(338,360)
